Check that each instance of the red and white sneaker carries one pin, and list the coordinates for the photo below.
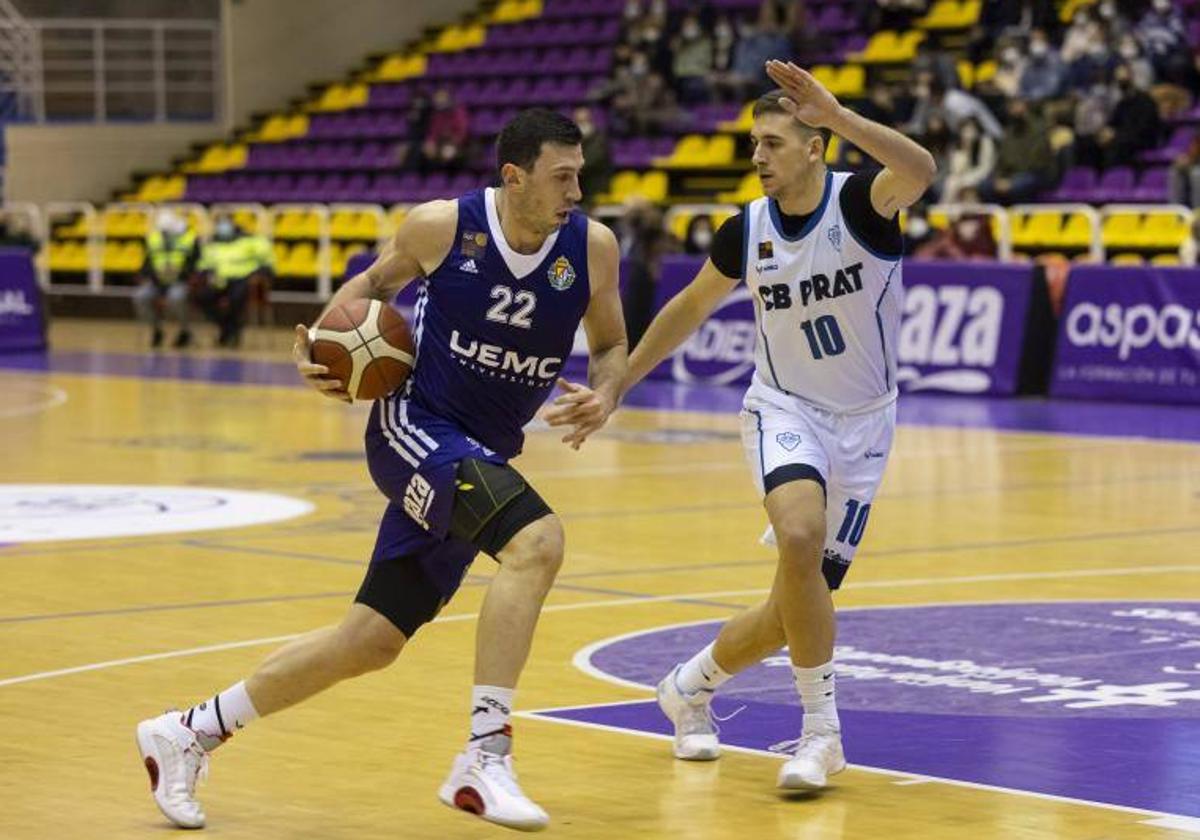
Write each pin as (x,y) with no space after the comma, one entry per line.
(483,782)
(818,756)
(175,760)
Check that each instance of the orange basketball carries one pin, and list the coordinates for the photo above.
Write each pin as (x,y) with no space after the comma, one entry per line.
(367,345)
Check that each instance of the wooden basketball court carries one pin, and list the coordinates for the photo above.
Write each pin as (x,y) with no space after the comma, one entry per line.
(99,631)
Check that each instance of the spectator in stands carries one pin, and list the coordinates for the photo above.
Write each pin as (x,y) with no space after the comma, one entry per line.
(1111,15)
(971,161)
(758,42)
(954,106)
(232,260)
(1044,75)
(643,241)
(14,233)
(1093,58)
(968,237)
(880,104)
(1093,108)
(1082,35)
(722,84)
(597,159)
(1135,125)
(172,252)
(699,234)
(655,109)
(1140,68)
(1185,175)
(1024,159)
(917,230)
(1010,66)
(1162,32)
(1019,16)
(692,61)
(809,44)
(936,62)
(445,143)
(416,120)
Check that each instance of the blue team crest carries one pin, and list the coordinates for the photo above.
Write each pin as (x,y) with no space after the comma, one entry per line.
(561,274)
(835,237)
(788,440)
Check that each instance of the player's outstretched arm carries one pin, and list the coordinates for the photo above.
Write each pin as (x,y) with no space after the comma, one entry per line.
(909,168)
(418,247)
(681,317)
(585,408)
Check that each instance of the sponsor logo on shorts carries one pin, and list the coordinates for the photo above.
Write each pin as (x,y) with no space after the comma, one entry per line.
(418,497)
(788,440)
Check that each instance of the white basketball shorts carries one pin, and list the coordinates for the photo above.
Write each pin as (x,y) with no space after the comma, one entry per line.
(787,438)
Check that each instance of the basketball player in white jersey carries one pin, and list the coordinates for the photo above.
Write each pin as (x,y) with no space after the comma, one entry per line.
(821,255)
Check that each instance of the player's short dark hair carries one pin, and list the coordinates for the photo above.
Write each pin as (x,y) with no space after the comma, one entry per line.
(768,103)
(520,141)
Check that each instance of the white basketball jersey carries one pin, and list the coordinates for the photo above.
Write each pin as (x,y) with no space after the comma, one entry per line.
(828,308)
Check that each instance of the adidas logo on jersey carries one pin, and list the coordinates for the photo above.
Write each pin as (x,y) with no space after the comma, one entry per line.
(469,267)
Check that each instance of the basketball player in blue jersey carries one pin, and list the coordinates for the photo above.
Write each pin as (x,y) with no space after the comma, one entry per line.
(821,255)
(507,276)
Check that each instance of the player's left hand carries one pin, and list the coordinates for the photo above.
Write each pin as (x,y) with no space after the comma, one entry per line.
(807,99)
(580,407)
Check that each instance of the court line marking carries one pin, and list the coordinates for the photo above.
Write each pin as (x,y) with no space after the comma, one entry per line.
(689,598)
(582,661)
(57,397)
(1160,818)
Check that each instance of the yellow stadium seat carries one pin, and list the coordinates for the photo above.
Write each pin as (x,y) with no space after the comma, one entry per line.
(1120,230)
(889,47)
(394,217)
(949,14)
(511,11)
(748,189)
(340,256)
(456,38)
(281,252)
(851,81)
(653,186)
(966,74)
(67,256)
(1036,230)
(303,260)
(985,71)
(1162,230)
(938,219)
(1126,259)
(1166,260)
(825,74)
(341,224)
(833,149)
(366,226)
(1076,232)
(247,220)
(691,150)
(720,151)
(298,224)
(342,97)
(397,67)
(744,121)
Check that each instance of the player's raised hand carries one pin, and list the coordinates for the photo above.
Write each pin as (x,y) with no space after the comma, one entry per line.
(314,374)
(581,407)
(807,99)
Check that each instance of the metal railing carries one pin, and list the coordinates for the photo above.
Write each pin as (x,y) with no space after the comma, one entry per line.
(113,70)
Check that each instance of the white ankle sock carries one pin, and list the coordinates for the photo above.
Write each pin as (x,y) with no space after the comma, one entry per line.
(216,719)
(817,695)
(491,707)
(701,673)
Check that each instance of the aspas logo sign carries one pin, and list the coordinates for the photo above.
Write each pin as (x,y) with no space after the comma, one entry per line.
(722,350)
(1171,327)
(951,327)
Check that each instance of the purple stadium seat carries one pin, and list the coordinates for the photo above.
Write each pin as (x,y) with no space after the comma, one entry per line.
(1152,186)
(1115,185)
(1077,185)
(1176,145)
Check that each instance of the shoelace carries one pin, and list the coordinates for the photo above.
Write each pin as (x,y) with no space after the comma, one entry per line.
(497,771)
(793,746)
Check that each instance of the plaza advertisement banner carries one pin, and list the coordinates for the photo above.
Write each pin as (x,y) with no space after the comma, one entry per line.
(21,324)
(1130,334)
(963,330)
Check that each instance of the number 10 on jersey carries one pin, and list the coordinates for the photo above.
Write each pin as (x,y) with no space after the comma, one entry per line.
(824,336)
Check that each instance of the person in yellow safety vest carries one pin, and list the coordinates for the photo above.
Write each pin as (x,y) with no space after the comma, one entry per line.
(230,260)
(172,252)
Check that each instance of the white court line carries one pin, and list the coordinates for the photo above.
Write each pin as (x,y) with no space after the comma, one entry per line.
(56,397)
(1158,818)
(621,602)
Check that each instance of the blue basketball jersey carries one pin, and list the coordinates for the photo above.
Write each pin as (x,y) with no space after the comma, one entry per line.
(494,327)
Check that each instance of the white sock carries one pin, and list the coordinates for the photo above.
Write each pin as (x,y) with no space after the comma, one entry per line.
(701,673)
(491,707)
(215,720)
(817,696)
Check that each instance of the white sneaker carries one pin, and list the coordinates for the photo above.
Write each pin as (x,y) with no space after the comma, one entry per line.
(818,756)
(175,760)
(484,783)
(695,732)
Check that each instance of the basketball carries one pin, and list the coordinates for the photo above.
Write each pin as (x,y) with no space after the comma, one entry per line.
(366,344)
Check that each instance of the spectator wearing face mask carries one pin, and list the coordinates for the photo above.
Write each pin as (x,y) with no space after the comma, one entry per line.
(954,106)
(722,84)
(969,237)
(1093,107)
(917,230)
(1024,160)
(699,234)
(1010,65)
(1140,68)
(971,162)
(1083,33)
(1135,125)
(692,61)
(1162,32)
(232,260)
(597,159)
(1044,74)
